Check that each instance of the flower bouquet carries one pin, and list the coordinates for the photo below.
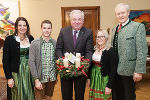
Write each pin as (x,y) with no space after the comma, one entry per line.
(72,66)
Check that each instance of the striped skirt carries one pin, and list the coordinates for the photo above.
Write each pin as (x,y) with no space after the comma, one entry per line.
(98,84)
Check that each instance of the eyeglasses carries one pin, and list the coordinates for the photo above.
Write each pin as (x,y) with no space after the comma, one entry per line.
(100,37)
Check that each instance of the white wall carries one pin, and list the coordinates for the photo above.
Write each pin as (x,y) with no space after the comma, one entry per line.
(37,10)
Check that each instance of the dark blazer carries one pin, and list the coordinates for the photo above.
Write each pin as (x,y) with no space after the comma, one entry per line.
(84,43)
(109,63)
(11,55)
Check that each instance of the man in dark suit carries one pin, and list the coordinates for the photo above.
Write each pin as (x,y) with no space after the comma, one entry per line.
(74,39)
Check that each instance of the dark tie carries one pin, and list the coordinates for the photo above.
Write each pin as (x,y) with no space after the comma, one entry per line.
(75,37)
(119,28)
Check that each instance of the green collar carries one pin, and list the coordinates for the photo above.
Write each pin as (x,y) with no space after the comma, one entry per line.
(126,24)
(43,40)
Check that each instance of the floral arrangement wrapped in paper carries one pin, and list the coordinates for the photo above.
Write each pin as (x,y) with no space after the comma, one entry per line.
(72,66)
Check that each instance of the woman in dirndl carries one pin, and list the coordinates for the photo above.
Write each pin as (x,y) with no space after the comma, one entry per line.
(15,62)
(103,68)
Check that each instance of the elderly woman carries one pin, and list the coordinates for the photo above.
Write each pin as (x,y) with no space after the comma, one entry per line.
(15,61)
(103,68)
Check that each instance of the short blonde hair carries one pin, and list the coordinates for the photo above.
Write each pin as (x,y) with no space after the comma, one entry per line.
(107,37)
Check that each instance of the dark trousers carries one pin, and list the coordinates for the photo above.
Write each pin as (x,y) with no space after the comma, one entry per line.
(79,87)
(123,88)
(9,97)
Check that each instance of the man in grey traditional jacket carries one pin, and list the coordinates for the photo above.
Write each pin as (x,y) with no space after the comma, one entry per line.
(42,62)
(129,41)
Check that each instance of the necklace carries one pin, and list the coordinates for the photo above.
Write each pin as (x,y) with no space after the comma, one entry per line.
(21,39)
(99,49)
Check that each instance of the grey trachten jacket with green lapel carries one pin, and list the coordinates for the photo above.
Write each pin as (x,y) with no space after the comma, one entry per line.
(132,48)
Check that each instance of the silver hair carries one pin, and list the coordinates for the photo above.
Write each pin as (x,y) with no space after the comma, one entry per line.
(122,4)
(107,37)
(78,12)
